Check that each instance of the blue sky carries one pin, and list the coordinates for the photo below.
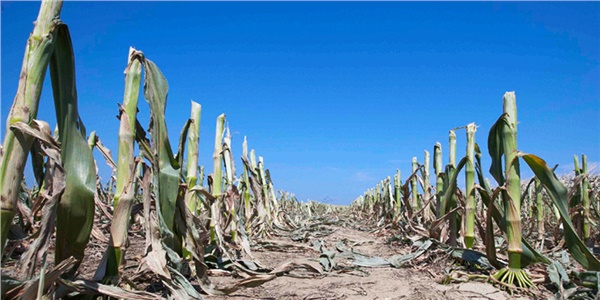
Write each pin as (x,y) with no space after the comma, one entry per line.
(337,95)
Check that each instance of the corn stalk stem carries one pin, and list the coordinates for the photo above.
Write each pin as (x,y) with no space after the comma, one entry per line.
(415,191)
(125,191)
(439,181)
(469,235)
(193,137)
(453,222)
(539,204)
(218,157)
(512,197)
(38,50)
(217,184)
(452,146)
(265,188)
(426,184)
(246,190)
(128,115)
(397,187)
(585,198)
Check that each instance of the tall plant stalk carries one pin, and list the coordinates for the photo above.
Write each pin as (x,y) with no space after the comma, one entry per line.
(512,199)
(125,191)
(469,234)
(426,184)
(217,186)
(585,199)
(453,222)
(38,51)
(246,190)
(193,137)
(397,191)
(439,181)
(502,141)
(415,191)
(539,204)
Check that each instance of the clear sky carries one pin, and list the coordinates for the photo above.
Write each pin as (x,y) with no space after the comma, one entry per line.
(337,96)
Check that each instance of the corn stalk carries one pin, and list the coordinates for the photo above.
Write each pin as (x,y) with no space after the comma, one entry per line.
(426,185)
(217,177)
(439,181)
(125,191)
(415,192)
(38,51)
(469,234)
(193,137)
(246,189)
(581,200)
(217,186)
(397,191)
(505,144)
(453,223)
(539,205)
(230,175)
(585,197)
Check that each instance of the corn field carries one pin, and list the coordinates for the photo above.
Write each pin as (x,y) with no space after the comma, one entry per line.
(166,227)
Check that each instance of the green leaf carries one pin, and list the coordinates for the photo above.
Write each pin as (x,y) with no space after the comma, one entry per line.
(558,193)
(75,214)
(155,92)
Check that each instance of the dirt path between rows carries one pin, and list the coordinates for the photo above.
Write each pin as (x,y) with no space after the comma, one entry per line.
(419,281)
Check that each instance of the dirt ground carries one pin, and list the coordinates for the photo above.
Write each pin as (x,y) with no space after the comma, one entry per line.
(416,282)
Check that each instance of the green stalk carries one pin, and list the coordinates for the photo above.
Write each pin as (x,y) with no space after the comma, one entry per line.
(529,203)
(246,190)
(218,157)
(128,115)
(539,203)
(512,199)
(253,159)
(38,50)
(383,198)
(502,146)
(397,187)
(415,191)
(452,146)
(585,197)
(382,193)
(126,166)
(230,174)
(265,187)
(439,181)
(469,234)
(453,222)
(274,204)
(426,181)
(390,200)
(228,158)
(192,156)
(377,198)
(576,200)
(201,176)
(217,185)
